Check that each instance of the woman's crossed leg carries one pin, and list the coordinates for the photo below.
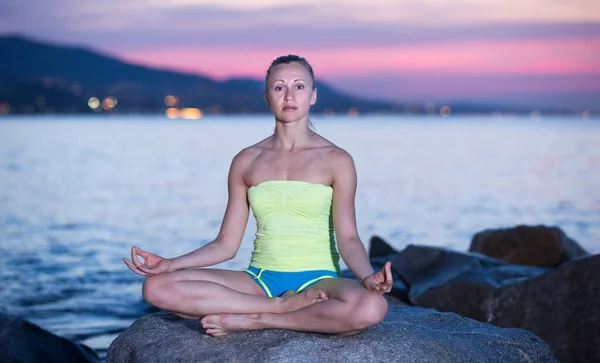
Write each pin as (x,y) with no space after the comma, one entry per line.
(349,309)
(195,293)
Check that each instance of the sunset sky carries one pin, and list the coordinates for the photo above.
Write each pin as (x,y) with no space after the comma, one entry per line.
(546,50)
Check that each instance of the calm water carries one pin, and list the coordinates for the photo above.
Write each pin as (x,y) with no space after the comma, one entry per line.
(76,193)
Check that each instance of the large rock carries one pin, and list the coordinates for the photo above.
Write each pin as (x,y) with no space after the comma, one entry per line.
(561,306)
(424,267)
(407,334)
(527,245)
(22,341)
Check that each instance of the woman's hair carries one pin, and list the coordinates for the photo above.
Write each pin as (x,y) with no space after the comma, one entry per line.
(287,59)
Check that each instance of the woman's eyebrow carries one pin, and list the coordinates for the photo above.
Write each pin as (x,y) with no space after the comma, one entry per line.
(297,79)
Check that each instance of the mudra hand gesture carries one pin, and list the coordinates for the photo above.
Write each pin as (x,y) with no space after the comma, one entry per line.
(153,264)
(380,282)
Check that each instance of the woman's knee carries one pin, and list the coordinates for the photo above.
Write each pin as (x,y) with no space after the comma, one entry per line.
(154,290)
(369,310)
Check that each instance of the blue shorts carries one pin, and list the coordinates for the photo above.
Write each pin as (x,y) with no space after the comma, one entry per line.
(275,283)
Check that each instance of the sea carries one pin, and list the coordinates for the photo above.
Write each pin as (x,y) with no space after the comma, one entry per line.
(76,192)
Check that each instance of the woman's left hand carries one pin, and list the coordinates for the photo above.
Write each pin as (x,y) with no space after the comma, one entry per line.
(380,282)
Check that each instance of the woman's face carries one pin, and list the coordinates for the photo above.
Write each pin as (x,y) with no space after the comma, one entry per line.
(290,92)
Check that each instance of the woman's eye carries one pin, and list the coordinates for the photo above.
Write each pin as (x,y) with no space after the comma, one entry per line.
(300,86)
(278,88)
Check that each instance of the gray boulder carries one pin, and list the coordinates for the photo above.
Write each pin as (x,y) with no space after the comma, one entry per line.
(407,334)
(527,245)
(561,305)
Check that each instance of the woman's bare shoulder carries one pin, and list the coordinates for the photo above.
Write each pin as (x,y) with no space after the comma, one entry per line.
(333,152)
(245,158)
(338,160)
(250,153)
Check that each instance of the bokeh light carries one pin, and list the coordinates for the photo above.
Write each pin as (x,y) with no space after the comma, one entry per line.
(111,101)
(445,111)
(171,101)
(172,113)
(586,115)
(353,112)
(216,109)
(93,103)
(190,113)
(328,112)
(4,107)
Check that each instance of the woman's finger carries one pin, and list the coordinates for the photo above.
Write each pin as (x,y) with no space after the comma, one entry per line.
(134,252)
(137,271)
(142,253)
(128,263)
(388,272)
(134,268)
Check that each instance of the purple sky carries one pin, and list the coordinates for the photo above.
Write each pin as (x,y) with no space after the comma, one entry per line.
(545,51)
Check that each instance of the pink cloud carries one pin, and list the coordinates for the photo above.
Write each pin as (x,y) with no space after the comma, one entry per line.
(470,57)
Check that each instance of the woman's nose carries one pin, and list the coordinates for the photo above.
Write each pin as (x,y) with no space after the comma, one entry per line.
(289,95)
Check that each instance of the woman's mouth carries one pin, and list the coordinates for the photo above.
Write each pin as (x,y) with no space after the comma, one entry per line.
(289,108)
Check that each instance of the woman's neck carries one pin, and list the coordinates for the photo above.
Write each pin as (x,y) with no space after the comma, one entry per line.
(291,135)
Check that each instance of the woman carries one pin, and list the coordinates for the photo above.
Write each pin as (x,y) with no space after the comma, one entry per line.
(299,186)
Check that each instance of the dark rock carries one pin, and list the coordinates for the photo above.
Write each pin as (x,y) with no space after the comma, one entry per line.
(378,247)
(407,334)
(22,341)
(424,267)
(527,245)
(561,306)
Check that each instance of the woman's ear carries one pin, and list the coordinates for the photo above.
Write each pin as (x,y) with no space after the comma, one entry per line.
(313,98)
(267,98)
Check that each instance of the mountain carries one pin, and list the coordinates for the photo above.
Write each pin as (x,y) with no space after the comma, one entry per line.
(42,77)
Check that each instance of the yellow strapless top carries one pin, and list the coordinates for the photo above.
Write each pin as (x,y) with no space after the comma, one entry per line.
(294,226)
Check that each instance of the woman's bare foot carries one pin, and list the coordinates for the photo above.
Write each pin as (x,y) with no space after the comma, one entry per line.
(220,324)
(290,301)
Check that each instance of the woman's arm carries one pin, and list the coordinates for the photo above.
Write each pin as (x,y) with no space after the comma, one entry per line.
(225,246)
(227,242)
(351,248)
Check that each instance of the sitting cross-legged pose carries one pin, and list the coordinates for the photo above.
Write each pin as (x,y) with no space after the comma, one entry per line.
(301,189)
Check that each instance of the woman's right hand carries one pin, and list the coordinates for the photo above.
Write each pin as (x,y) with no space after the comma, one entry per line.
(153,264)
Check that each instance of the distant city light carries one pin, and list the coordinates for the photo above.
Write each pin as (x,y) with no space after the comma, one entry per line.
(171,101)
(93,103)
(111,102)
(586,115)
(191,113)
(4,107)
(328,112)
(353,111)
(172,113)
(445,111)
(216,109)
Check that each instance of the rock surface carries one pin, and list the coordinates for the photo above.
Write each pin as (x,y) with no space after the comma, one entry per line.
(407,334)
(561,305)
(22,341)
(527,245)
